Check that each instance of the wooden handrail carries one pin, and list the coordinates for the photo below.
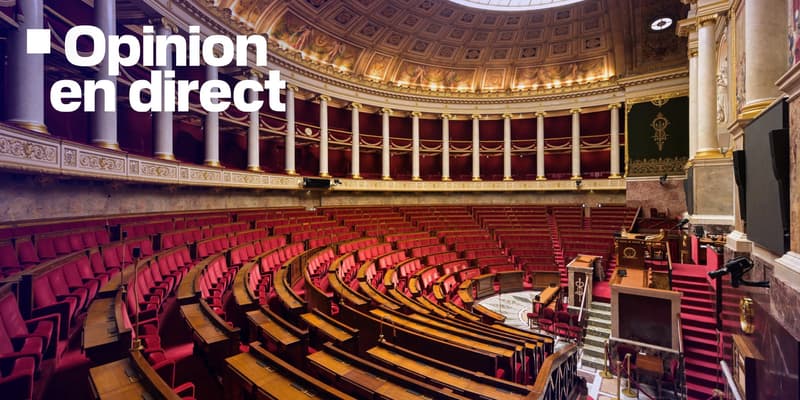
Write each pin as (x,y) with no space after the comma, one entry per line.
(635,217)
(550,367)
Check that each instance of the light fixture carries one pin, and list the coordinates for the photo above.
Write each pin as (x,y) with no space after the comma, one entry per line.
(661,23)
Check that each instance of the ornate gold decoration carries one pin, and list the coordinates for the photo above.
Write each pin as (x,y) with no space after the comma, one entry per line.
(747,315)
(416,178)
(629,252)
(324,175)
(31,126)
(476,179)
(507,179)
(659,125)
(386,178)
(94,161)
(70,158)
(254,168)
(106,145)
(27,150)
(167,157)
(212,163)
(657,166)
(160,171)
(291,172)
(541,178)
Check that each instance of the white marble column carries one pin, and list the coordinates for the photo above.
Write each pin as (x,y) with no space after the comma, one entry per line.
(104,122)
(693,102)
(211,126)
(576,143)
(386,145)
(355,167)
(323,136)
(540,173)
(162,121)
(446,147)
(507,147)
(707,146)
(614,109)
(476,147)
(765,61)
(291,131)
(25,79)
(415,146)
(253,158)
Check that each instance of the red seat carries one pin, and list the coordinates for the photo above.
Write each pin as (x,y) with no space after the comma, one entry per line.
(76,241)
(9,263)
(45,302)
(74,279)
(58,282)
(46,248)
(30,346)
(62,245)
(16,379)
(26,253)
(561,325)
(89,239)
(45,327)
(546,318)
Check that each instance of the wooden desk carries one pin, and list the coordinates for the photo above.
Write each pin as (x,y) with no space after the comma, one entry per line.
(456,382)
(634,277)
(378,297)
(652,365)
(117,380)
(548,295)
(104,337)
(269,328)
(361,378)
(243,300)
(329,327)
(286,295)
(273,379)
(206,330)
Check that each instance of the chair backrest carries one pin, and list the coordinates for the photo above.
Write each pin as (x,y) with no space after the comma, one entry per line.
(43,292)
(8,255)
(11,317)
(26,252)
(45,248)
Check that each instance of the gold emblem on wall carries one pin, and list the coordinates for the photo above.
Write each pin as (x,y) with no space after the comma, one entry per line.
(629,252)
(746,315)
(659,125)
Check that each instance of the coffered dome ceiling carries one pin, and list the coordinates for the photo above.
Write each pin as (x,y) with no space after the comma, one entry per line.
(440,45)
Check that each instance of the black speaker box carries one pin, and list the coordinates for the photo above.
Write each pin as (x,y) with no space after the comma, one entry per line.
(740,175)
(316,183)
(779,149)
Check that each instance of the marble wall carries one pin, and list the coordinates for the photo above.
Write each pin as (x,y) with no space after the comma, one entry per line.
(714,188)
(669,197)
(25,198)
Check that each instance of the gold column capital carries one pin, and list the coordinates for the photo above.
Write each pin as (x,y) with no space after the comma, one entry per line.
(705,19)
(475,116)
(164,22)
(386,110)
(614,106)
(575,111)
(506,116)
(324,98)
(416,114)
(446,116)
(255,74)
(291,87)
(541,114)
(354,106)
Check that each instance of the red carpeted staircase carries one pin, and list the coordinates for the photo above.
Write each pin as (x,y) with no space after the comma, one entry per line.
(700,337)
(558,253)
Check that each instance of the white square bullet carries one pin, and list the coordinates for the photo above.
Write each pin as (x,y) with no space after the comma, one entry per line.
(38,41)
